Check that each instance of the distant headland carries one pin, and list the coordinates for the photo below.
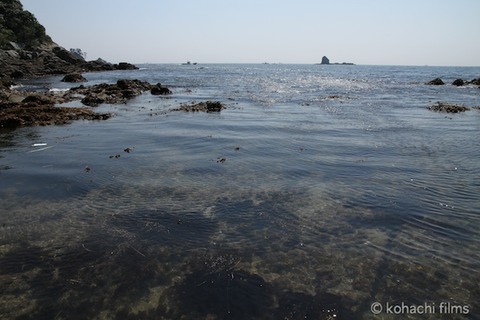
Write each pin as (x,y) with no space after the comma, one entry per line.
(326,61)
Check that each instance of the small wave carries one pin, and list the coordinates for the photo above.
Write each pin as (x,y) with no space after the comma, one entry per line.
(58,90)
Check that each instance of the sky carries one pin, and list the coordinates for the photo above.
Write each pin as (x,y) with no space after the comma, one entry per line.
(371,32)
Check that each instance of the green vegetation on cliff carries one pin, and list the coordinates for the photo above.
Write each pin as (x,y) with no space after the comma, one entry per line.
(20,26)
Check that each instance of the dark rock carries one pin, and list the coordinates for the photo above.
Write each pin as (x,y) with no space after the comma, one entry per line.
(209,106)
(133,84)
(436,82)
(37,114)
(158,89)
(125,66)
(17,74)
(74,77)
(448,108)
(458,82)
(325,60)
(92,100)
(474,82)
(120,92)
(38,99)
(99,65)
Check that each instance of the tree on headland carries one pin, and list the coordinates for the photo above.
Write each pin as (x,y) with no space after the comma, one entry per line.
(20,26)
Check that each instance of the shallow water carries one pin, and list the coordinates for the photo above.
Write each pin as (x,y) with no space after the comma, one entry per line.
(338,189)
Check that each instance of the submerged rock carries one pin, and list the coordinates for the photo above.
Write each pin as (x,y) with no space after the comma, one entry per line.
(295,305)
(223,293)
(436,82)
(448,107)
(209,106)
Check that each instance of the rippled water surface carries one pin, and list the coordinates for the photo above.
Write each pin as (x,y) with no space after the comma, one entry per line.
(317,192)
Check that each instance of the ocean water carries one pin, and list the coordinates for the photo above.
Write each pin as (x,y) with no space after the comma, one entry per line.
(320,192)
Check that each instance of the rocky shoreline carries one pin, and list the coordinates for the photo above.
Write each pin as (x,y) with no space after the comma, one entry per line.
(48,60)
(24,108)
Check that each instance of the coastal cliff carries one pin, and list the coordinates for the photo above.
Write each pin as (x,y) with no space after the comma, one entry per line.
(26,50)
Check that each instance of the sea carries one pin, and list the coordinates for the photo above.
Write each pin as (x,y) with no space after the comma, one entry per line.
(319,192)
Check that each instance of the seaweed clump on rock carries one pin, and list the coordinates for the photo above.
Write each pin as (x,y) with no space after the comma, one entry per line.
(448,107)
(209,106)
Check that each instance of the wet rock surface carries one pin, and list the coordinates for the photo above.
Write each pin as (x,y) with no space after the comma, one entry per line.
(448,107)
(208,106)
(22,108)
(117,93)
(456,82)
(436,82)
(74,77)
(159,90)
(39,111)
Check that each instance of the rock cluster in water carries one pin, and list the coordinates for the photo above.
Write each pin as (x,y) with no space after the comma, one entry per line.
(20,108)
(38,110)
(209,106)
(119,92)
(457,82)
(448,107)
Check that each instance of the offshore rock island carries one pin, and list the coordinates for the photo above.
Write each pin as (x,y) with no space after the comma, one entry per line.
(326,61)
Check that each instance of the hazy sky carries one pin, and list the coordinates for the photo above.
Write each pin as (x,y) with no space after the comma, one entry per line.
(395,32)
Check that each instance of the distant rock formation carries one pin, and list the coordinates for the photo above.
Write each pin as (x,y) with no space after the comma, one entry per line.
(326,61)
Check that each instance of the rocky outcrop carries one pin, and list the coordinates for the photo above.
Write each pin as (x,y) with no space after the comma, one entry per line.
(20,108)
(326,61)
(124,66)
(119,92)
(74,77)
(36,110)
(458,82)
(435,82)
(209,106)
(448,107)
(159,90)
(17,64)
(26,51)
(475,82)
